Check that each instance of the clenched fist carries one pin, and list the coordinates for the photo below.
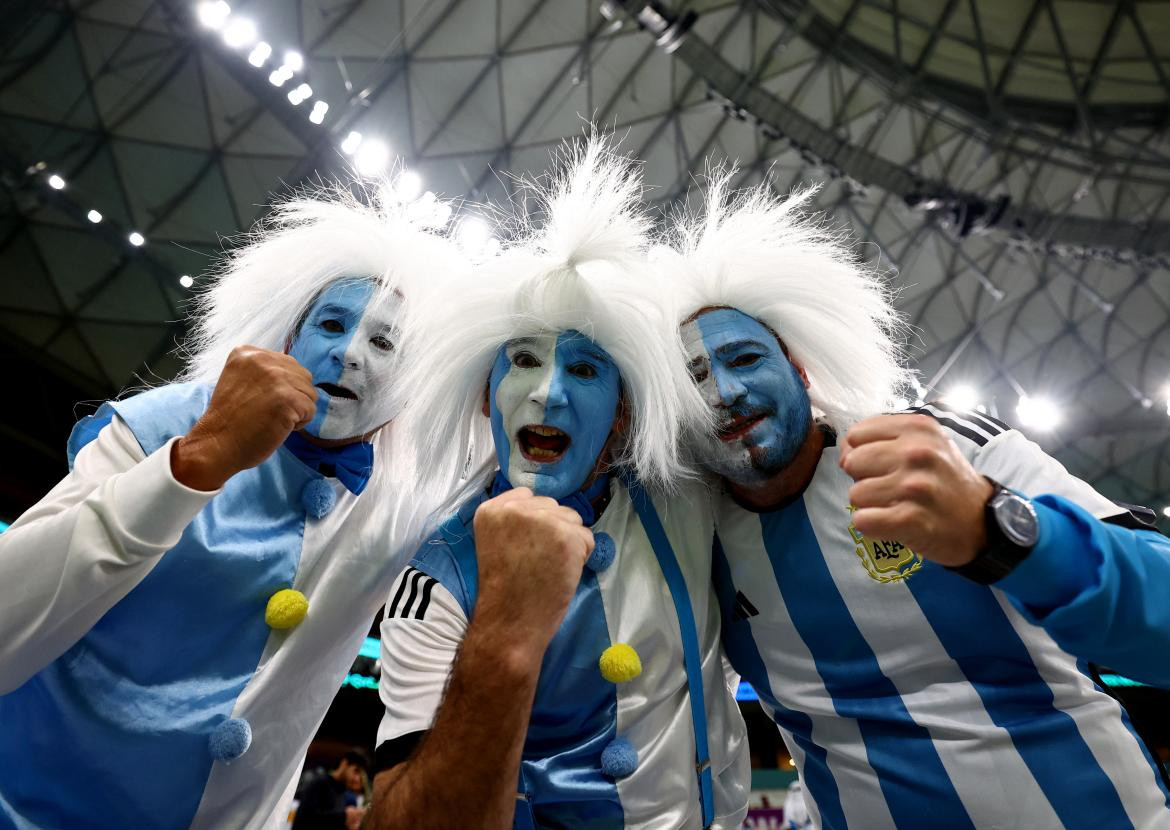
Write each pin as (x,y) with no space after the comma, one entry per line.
(530,552)
(259,399)
(915,486)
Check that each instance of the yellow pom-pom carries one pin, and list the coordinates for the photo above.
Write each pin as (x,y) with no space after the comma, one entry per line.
(620,663)
(286,609)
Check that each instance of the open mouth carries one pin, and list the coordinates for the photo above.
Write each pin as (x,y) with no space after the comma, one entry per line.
(740,426)
(335,391)
(543,444)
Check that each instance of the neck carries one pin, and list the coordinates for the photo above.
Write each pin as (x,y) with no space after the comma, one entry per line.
(779,488)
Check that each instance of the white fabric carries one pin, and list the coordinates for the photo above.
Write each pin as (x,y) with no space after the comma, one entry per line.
(84,546)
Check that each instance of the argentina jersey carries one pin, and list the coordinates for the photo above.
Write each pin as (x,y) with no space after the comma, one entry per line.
(909,696)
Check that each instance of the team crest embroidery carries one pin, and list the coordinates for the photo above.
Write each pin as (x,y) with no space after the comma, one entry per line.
(884,561)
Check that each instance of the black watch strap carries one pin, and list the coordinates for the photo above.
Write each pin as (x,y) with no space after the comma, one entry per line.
(1001,554)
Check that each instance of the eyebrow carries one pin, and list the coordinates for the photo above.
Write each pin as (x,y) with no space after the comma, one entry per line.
(334,309)
(740,344)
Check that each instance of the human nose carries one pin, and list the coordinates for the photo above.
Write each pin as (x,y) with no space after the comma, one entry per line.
(728,388)
(550,392)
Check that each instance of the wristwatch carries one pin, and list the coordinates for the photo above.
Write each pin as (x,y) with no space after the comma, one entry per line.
(1012,530)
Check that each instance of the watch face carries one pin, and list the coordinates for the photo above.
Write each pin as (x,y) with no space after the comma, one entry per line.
(1017,519)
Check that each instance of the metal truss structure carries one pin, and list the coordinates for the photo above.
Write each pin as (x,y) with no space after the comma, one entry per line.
(1007,161)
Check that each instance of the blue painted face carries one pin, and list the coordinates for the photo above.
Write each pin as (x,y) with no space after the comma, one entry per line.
(553,400)
(760,400)
(348,351)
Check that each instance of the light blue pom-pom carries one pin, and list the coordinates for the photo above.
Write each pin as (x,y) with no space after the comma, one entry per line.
(230,739)
(619,759)
(318,498)
(604,551)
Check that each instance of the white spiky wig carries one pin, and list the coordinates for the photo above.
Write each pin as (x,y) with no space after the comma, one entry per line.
(583,267)
(766,256)
(266,285)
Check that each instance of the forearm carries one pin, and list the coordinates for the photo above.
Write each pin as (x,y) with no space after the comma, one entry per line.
(77,553)
(1101,591)
(469,762)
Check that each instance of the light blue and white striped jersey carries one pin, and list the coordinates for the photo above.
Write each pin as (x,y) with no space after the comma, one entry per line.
(911,697)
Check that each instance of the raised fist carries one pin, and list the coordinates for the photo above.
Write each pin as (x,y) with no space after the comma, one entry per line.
(260,398)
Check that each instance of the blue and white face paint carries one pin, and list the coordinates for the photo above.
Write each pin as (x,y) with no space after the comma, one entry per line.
(761,404)
(348,349)
(553,401)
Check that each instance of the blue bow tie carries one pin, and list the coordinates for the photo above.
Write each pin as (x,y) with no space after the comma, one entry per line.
(350,464)
(581,501)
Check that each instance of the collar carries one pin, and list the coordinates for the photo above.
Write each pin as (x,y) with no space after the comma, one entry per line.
(350,464)
(581,501)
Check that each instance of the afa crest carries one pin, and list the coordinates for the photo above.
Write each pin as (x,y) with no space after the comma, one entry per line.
(884,561)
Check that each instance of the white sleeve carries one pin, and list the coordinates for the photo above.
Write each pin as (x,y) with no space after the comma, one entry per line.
(84,546)
(421,633)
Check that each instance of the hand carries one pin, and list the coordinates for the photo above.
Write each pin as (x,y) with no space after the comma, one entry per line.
(914,486)
(259,399)
(530,552)
(353,817)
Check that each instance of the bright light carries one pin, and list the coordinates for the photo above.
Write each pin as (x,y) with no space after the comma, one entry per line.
(351,143)
(213,13)
(186,281)
(791,762)
(473,234)
(239,32)
(1166,511)
(1038,413)
(318,113)
(259,54)
(94,216)
(56,182)
(408,186)
(136,238)
(279,76)
(294,61)
(962,397)
(371,158)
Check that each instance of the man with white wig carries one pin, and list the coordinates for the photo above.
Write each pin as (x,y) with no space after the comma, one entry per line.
(182,608)
(915,597)
(521,688)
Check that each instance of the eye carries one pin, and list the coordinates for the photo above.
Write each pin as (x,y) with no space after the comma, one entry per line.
(585,371)
(698,371)
(746,359)
(382,343)
(333,326)
(525,360)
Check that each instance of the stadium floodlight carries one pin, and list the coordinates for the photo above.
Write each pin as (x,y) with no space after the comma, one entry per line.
(240,32)
(350,144)
(259,54)
(372,157)
(136,239)
(408,186)
(1038,413)
(1166,511)
(186,281)
(213,13)
(94,216)
(318,113)
(279,76)
(56,182)
(294,60)
(962,397)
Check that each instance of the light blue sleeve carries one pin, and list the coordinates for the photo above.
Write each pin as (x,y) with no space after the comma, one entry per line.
(1101,591)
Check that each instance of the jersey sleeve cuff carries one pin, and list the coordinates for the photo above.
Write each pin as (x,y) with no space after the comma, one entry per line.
(1061,567)
(152,505)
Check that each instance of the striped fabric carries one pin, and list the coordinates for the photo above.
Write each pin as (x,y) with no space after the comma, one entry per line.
(908,696)
(411,585)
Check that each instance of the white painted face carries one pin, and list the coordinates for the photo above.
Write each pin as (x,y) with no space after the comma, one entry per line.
(348,347)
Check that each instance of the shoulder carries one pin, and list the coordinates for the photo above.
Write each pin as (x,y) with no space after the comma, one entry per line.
(970,429)
(448,556)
